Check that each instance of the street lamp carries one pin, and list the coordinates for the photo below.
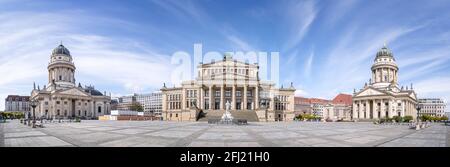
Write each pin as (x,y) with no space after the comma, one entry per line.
(418,111)
(33,104)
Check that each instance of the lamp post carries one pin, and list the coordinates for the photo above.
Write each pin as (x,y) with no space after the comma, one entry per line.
(418,111)
(33,104)
(28,118)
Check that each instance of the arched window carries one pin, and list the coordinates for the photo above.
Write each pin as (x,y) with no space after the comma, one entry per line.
(99,109)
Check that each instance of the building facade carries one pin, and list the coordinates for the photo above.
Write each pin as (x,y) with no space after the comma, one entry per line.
(302,106)
(340,108)
(126,102)
(225,81)
(150,102)
(432,107)
(61,98)
(15,103)
(382,97)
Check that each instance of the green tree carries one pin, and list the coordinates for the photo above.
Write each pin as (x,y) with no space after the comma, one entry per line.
(136,107)
(407,118)
(397,118)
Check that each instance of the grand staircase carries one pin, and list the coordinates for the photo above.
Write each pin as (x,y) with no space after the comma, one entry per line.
(250,116)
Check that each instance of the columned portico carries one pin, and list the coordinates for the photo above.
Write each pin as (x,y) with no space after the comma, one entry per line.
(243,96)
(233,81)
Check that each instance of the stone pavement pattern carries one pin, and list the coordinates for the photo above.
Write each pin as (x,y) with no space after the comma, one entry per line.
(200,134)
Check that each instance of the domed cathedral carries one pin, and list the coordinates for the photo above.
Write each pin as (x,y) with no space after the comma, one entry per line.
(382,97)
(61,97)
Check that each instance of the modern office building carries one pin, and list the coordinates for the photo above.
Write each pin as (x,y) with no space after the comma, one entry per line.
(432,107)
(150,102)
(15,103)
(337,109)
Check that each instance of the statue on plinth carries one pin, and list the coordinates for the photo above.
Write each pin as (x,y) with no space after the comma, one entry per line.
(227,117)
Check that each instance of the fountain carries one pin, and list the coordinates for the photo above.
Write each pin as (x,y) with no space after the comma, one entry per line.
(227,118)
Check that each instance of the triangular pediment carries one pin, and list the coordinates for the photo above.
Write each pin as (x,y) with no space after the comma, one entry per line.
(74,91)
(413,95)
(370,92)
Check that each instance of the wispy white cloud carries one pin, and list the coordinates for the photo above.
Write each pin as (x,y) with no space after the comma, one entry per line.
(27,40)
(308,65)
(338,10)
(185,10)
(240,44)
(301,14)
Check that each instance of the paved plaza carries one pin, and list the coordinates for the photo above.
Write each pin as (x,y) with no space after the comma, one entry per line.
(200,134)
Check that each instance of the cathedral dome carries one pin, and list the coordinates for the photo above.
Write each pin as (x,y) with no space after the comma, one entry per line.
(384,52)
(91,90)
(61,50)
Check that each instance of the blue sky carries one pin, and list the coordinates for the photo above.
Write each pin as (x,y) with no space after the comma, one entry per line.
(326,47)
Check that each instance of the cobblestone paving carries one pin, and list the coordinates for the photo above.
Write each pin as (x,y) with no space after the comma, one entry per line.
(199,134)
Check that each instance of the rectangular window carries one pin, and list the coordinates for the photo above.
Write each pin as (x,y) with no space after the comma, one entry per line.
(238,93)
(217,94)
(228,93)
(57,102)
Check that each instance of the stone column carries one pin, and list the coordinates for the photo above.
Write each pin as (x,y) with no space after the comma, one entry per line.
(222,97)
(245,98)
(403,108)
(367,110)
(354,114)
(375,109)
(210,98)
(409,108)
(233,98)
(388,74)
(256,97)
(164,103)
(201,103)
(93,109)
(272,103)
(389,109)
(382,109)
(183,99)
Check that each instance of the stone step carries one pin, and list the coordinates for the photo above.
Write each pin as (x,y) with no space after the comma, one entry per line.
(249,115)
